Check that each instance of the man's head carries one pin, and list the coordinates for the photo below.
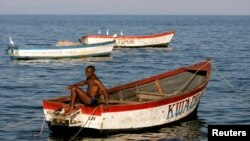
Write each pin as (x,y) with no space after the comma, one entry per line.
(89,71)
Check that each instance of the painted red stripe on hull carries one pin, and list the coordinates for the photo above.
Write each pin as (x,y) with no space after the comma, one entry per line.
(135,36)
(122,108)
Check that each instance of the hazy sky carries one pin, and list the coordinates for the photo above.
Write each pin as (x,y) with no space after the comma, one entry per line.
(128,7)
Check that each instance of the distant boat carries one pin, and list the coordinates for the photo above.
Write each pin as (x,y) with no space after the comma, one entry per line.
(153,40)
(66,50)
(158,100)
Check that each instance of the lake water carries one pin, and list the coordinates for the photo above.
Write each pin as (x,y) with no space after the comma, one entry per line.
(24,84)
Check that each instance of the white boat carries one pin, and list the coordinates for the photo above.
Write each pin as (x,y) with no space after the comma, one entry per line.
(56,52)
(158,100)
(153,40)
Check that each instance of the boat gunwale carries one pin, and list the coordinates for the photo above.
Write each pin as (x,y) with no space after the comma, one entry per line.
(81,46)
(131,36)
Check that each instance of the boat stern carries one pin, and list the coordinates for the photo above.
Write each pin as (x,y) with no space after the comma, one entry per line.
(54,112)
(58,118)
(82,116)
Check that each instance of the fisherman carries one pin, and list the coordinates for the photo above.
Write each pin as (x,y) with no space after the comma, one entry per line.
(94,87)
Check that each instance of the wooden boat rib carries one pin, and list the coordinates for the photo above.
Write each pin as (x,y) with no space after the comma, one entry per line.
(154,101)
(154,40)
(56,52)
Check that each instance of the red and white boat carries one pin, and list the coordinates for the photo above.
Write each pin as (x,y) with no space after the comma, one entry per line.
(150,102)
(154,40)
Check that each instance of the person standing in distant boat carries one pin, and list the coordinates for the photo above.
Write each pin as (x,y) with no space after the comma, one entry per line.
(89,98)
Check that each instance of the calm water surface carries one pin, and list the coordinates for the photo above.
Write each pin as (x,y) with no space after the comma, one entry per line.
(24,84)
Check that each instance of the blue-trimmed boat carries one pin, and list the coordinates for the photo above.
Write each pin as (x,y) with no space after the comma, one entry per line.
(56,52)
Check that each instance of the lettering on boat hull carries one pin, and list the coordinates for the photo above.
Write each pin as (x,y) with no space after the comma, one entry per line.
(183,106)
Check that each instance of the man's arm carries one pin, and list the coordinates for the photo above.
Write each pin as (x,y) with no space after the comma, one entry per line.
(103,89)
(81,83)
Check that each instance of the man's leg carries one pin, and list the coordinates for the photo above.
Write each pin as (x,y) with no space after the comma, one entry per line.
(78,94)
(72,99)
(82,96)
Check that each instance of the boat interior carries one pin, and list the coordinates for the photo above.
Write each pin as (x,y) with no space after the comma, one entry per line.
(155,90)
(160,88)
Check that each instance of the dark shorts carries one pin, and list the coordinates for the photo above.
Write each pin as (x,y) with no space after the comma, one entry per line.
(93,102)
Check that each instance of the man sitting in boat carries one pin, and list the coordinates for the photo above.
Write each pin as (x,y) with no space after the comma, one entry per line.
(90,97)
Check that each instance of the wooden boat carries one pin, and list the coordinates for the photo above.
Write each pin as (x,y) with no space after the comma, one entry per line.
(62,51)
(154,101)
(154,40)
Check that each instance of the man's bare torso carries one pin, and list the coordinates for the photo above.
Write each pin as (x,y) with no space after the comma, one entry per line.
(92,90)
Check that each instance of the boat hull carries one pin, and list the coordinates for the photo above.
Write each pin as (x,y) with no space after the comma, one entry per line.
(146,117)
(68,130)
(155,40)
(94,50)
(158,100)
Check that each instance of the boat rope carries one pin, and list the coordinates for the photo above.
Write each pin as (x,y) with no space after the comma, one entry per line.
(20,123)
(191,79)
(41,128)
(84,124)
(102,124)
(221,75)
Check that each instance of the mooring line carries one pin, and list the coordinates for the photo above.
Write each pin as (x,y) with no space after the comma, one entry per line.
(83,124)
(20,123)
(41,128)
(221,75)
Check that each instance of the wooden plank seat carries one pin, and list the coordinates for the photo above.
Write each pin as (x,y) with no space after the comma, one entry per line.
(152,96)
(113,101)
(148,95)
(121,102)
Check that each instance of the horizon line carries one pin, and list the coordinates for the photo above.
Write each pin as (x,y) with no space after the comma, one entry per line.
(123,14)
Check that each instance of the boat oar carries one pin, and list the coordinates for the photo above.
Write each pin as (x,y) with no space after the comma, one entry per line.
(187,83)
(191,79)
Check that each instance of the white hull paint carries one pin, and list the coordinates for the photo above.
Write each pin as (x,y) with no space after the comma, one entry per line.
(131,41)
(138,42)
(60,52)
(135,119)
